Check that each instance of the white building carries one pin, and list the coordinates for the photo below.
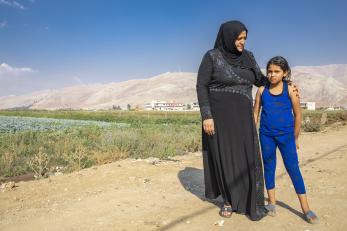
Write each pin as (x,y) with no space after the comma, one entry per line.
(164,106)
(308,105)
(195,106)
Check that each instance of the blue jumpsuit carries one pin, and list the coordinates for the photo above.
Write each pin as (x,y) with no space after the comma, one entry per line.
(277,130)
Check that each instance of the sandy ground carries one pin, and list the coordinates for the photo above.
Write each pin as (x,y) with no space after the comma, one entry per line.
(168,195)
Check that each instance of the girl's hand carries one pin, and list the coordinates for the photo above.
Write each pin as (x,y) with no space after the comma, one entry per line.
(208,125)
(297,143)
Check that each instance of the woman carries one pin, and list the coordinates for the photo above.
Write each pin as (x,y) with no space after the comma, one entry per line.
(231,156)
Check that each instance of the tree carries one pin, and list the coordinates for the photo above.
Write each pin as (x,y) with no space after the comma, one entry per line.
(116,107)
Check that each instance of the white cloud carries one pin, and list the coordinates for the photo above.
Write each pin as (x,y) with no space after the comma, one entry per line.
(11,3)
(17,4)
(3,24)
(7,70)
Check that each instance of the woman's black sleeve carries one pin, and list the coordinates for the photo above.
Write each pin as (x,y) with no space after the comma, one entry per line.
(260,78)
(204,77)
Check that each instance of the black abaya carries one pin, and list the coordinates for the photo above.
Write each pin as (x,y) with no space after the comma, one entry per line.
(231,157)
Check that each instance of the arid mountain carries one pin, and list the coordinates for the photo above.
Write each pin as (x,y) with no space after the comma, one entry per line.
(179,87)
(325,85)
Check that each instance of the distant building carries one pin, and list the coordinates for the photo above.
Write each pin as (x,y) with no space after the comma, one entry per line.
(195,106)
(334,108)
(164,106)
(308,105)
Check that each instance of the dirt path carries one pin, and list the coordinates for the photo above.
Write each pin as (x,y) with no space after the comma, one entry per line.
(150,195)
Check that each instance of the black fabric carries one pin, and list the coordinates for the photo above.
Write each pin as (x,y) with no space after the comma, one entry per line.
(203,81)
(231,157)
(225,42)
(206,80)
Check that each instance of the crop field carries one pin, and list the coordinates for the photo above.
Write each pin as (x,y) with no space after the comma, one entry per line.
(41,142)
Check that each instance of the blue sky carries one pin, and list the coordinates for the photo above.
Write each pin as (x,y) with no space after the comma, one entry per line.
(52,44)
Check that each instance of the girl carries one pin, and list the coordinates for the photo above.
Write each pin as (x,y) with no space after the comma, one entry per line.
(279,128)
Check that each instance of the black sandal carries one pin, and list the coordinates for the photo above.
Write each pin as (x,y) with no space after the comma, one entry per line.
(226,210)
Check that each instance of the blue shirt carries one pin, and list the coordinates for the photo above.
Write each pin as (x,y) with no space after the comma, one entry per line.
(277,112)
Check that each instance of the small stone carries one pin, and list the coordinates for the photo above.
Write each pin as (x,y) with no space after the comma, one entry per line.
(219,223)
(8,186)
(163,223)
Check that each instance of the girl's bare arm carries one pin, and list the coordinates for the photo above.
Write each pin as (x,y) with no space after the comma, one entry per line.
(296,110)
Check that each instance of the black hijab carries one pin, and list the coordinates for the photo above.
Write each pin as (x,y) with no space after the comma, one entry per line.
(225,42)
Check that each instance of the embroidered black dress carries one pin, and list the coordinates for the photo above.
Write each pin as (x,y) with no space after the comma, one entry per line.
(231,157)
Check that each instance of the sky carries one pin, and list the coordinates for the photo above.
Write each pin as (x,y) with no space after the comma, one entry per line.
(46,44)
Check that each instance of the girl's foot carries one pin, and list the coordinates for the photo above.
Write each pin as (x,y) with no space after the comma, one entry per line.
(226,211)
(271,208)
(311,217)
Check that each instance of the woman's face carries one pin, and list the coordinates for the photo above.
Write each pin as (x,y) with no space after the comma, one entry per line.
(240,41)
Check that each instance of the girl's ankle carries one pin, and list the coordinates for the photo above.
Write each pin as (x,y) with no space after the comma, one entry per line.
(304,211)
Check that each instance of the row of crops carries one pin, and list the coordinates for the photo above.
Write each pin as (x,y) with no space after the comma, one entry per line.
(13,124)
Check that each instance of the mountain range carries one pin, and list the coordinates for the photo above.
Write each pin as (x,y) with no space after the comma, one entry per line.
(326,85)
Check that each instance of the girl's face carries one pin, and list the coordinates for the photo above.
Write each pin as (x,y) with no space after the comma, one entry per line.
(275,74)
(240,41)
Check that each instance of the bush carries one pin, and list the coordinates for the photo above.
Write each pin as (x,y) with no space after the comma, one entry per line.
(311,127)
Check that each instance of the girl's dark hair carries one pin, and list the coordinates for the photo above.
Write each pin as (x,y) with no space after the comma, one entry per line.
(283,64)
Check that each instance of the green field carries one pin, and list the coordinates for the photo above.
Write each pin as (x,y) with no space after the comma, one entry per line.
(42,141)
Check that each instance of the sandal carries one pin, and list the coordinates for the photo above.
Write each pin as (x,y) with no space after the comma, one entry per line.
(226,211)
(271,209)
(311,217)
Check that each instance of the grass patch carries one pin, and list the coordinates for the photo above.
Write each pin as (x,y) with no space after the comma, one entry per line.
(41,145)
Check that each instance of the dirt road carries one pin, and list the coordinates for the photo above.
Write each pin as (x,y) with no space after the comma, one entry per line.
(168,195)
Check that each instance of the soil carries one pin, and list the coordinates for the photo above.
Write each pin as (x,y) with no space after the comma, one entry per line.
(169,195)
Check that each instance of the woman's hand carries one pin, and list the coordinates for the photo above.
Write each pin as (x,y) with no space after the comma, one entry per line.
(295,89)
(208,125)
